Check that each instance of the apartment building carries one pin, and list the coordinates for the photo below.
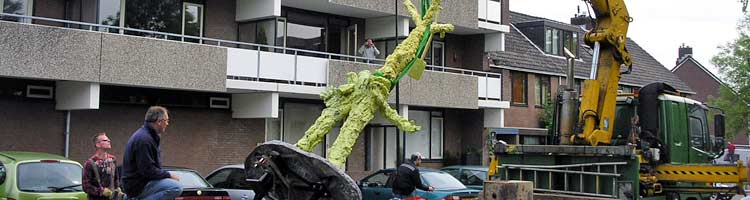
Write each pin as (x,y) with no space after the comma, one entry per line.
(236,73)
(534,67)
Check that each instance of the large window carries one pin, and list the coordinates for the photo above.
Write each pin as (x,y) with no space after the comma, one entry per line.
(428,141)
(109,14)
(555,40)
(518,84)
(18,7)
(295,124)
(542,90)
(154,15)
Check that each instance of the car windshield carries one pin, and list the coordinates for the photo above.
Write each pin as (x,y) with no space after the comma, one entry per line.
(190,179)
(442,181)
(49,177)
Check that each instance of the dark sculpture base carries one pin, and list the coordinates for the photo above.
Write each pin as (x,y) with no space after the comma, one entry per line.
(279,170)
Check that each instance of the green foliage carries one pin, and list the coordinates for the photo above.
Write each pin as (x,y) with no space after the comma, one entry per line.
(548,113)
(734,65)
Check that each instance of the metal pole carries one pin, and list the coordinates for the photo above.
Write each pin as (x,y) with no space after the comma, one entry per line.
(400,153)
(67,134)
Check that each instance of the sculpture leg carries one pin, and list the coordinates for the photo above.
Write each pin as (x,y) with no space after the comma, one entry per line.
(361,114)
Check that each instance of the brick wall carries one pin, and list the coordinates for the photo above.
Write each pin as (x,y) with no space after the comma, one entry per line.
(203,139)
(698,80)
(220,22)
(31,125)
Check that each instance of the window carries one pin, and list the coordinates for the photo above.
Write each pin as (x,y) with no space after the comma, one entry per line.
(153,15)
(624,89)
(109,14)
(555,40)
(18,7)
(696,132)
(192,21)
(273,127)
(518,82)
(2,173)
(435,55)
(219,177)
(42,177)
(429,142)
(295,124)
(472,177)
(377,180)
(542,90)
(698,127)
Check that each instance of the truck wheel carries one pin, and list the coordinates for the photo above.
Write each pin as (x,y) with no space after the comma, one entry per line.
(673,196)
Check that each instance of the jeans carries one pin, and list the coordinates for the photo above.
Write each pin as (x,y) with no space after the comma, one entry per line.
(161,189)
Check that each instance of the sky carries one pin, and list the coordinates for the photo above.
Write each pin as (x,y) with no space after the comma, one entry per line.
(661,26)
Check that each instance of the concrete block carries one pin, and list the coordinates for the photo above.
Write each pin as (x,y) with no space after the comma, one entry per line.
(507,190)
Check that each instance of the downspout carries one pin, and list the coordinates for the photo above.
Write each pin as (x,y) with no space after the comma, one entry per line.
(67,134)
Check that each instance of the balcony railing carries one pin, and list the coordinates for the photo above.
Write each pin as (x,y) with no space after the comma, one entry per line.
(298,66)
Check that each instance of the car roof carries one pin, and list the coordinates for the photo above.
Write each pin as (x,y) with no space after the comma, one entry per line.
(19,156)
(472,167)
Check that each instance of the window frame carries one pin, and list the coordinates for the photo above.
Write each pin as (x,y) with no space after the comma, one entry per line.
(29,10)
(545,90)
(201,19)
(524,88)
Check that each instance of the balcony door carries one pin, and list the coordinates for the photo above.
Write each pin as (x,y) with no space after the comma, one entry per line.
(381,146)
(351,40)
(192,21)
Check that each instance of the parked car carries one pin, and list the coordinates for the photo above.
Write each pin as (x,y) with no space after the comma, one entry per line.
(472,176)
(30,175)
(374,186)
(195,187)
(232,179)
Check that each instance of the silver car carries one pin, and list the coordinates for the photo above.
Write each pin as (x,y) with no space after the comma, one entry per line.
(232,179)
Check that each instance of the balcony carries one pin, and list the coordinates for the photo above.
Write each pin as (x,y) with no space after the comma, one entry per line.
(115,58)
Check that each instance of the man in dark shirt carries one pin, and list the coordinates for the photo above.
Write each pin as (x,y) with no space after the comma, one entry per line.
(408,178)
(142,176)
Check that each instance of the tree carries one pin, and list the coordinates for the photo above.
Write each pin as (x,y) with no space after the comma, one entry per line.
(734,65)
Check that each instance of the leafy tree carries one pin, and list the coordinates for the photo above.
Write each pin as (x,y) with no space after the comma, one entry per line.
(734,65)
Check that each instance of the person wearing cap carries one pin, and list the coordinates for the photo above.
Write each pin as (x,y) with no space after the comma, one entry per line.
(407,178)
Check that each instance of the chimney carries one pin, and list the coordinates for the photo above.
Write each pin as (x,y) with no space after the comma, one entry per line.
(683,52)
(582,19)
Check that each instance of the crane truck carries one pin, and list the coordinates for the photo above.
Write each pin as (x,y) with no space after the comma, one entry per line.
(653,144)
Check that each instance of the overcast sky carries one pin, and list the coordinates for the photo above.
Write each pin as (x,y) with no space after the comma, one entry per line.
(661,26)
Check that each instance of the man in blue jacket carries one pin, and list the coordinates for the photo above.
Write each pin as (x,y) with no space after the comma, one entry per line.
(142,176)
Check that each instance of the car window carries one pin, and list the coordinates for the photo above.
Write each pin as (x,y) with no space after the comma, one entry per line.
(190,179)
(473,177)
(2,173)
(236,180)
(380,179)
(441,181)
(219,177)
(45,176)
(452,172)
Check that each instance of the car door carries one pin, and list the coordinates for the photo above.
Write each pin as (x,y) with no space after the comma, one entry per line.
(374,187)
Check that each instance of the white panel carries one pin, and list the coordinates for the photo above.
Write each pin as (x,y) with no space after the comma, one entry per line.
(383,27)
(493,118)
(493,11)
(494,27)
(482,9)
(493,104)
(493,41)
(276,66)
(255,105)
(494,88)
(300,89)
(255,9)
(311,69)
(76,95)
(242,62)
(482,84)
(251,85)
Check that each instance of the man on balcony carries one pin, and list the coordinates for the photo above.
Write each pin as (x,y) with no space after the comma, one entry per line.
(369,51)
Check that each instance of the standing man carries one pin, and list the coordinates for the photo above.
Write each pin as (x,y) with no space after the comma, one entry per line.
(99,176)
(368,50)
(730,154)
(408,178)
(142,176)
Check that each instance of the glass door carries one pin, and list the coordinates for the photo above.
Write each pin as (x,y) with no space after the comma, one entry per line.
(192,21)
(351,41)
(382,147)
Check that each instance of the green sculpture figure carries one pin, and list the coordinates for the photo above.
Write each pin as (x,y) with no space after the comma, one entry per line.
(365,92)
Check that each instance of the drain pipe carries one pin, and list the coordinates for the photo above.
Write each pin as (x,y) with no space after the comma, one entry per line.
(67,134)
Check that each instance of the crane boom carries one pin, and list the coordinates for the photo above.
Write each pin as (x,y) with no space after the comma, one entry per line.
(597,111)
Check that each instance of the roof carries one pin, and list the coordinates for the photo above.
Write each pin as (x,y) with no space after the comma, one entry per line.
(24,156)
(690,58)
(523,55)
